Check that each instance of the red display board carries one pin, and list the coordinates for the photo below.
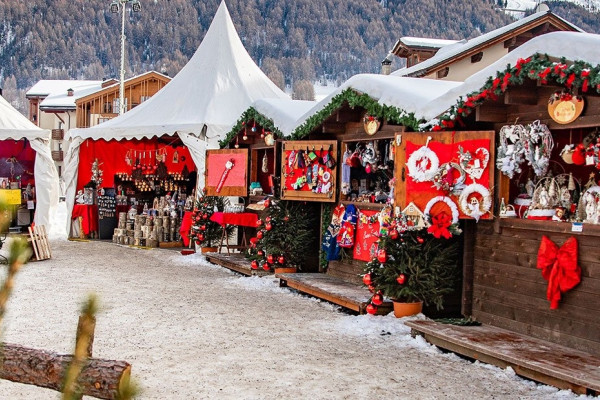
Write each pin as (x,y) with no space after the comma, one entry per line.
(113,157)
(227,172)
(367,235)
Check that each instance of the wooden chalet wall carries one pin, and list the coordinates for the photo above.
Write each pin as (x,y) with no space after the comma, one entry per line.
(510,292)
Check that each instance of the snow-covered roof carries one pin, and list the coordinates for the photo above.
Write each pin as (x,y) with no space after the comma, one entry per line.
(47,87)
(411,41)
(452,51)
(218,83)
(15,126)
(140,76)
(60,100)
(404,93)
(571,45)
(283,112)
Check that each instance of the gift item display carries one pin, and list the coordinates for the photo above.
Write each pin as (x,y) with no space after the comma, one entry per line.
(17,184)
(367,169)
(550,185)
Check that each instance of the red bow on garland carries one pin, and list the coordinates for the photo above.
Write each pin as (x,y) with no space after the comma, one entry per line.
(559,267)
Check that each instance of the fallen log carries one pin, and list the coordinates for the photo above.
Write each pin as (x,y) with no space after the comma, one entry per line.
(100,378)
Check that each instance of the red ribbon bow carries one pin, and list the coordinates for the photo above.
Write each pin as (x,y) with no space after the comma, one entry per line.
(439,226)
(559,267)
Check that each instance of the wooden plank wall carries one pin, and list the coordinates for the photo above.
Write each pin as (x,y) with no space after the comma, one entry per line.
(510,292)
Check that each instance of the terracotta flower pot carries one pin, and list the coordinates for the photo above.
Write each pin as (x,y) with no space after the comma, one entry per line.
(285,270)
(402,309)
(209,249)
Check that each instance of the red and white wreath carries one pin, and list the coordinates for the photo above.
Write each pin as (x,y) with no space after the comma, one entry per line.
(472,205)
(423,164)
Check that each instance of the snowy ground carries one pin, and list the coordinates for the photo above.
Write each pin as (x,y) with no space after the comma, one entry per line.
(192,330)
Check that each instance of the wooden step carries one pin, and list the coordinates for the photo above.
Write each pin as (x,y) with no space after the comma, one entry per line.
(335,290)
(532,358)
(235,262)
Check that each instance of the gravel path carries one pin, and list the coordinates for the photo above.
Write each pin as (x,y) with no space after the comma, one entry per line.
(192,330)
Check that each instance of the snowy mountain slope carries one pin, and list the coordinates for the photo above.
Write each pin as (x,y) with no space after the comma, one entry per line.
(514,5)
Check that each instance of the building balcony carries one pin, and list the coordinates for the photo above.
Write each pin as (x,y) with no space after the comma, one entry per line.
(58,134)
(57,155)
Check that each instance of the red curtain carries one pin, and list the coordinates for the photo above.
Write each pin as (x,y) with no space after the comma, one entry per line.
(111,156)
(21,151)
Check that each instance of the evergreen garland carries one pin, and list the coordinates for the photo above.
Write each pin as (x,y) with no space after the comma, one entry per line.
(578,75)
(413,267)
(205,232)
(355,99)
(251,114)
(284,236)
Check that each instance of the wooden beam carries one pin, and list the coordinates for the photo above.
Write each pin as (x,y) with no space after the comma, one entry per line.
(526,96)
(490,113)
(333,127)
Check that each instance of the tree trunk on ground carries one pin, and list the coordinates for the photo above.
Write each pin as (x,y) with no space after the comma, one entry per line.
(99,378)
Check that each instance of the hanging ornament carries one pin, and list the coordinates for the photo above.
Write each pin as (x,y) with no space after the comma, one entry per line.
(265,164)
(268,226)
(394,234)
(204,216)
(268,219)
(382,256)
(253,126)
(571,185)
(175,157)
(367,279)
(237,142)
(510,153)
(245,137)
(200,237)
(423,163)
(261,253)
(371,288)
(377,299)
(203,227)
(254,264)
(262,133)
(473,206)
(538,147)
(267,203)
(371,309)
(420,240)
(270,259)
(266,267)
(128,160)
(258,223)
(281,260)
(259,235)
(401,279)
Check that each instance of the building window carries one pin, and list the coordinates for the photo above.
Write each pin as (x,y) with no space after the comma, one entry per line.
(475,58)
(115,105)
(144,98)
(108,108)
(442,73)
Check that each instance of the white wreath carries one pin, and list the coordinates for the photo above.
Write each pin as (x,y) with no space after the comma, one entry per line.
(449,203)
(538,147)
(423,156)
(475,209)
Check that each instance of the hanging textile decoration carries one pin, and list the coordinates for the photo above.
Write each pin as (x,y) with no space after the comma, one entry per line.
(128,159)
(472,205)
(423,164)
(559,267)
(511,149)
(329,244)
(538,147)
(346,234)
(265,164)
(175,157)
(228,167)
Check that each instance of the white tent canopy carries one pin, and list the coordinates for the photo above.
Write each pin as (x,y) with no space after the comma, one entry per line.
(13,125)
(199,105)
(283,112)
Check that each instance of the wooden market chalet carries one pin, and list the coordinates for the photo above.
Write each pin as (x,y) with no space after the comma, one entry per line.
(515,88)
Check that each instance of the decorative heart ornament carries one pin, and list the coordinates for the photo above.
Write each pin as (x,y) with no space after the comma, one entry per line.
(474,165)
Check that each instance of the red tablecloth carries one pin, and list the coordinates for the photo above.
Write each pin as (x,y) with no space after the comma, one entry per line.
(239,219)
(184,230)
(89,217)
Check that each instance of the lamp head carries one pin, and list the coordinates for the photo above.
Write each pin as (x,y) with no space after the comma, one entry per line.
(136,6)
(114,7)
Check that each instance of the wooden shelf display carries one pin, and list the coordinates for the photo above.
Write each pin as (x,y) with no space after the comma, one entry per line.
(308,170)
(227,172)
(452,167)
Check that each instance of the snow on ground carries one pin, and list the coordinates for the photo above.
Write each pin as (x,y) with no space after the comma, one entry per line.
(193,330)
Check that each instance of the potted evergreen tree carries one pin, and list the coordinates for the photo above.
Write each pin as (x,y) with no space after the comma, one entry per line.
(206,233)
(283,238)
(411,268)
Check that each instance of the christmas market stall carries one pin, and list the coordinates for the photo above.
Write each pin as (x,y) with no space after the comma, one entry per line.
(252,149)
(28,177)
(193,111)
(533,268)
(343,157)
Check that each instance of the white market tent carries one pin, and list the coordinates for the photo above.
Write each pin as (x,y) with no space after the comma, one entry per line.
(199,105)
(283,112)
(15,126)
(572,46)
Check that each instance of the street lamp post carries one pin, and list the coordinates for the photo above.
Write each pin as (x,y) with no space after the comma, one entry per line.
(114,8)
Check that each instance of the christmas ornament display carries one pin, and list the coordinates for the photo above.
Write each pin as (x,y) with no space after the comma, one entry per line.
(475,206)
(510,153)
(446,200)
(474,164)
(423,164)
(538,147)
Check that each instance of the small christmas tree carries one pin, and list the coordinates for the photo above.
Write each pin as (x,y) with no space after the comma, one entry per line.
(412,266)
(205,232)
(284,236)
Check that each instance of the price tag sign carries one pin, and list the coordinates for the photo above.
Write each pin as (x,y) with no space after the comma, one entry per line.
(11,196)
(576,227)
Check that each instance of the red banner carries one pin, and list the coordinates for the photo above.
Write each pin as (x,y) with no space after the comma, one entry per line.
(367,237)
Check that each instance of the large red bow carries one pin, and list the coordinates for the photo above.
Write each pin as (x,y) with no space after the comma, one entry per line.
(559,267)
